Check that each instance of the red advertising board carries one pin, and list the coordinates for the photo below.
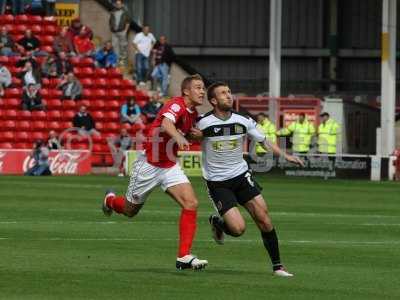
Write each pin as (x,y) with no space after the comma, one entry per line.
(65,162)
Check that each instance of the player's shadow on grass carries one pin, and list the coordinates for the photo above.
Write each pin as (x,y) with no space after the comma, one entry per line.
(173,271)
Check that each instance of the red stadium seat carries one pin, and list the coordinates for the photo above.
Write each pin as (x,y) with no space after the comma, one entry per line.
(69,104)
(83,102)
(50,29)
(21,19)
(39,125)
(23,146)
(39,115)
(36,29)
(96,148)
(38,136)
(127,93)
(66,125)
(98,115)
(54,115)
(87,82)
(22,136)
(114,83)
(13,93)
(12,103)
(7,136)
(68,115)
(47,40)
(16,82)
(88,93)
(54,125)
(35,19)
(100,83)
(112,104)
(101,72)
(112,116)
(55,93)
(99,93)
(113,94)
(6,146)
(97,160)
(112,127)
(46,48)
(54,104)
(18,29)
(1,115)
(114,73)
(98,104)
(4,60)
(24,125)
(128,83)
(6,19)
(99,126)
(10,114)
(45,92)
(87,72)
(8,125)
(24,115)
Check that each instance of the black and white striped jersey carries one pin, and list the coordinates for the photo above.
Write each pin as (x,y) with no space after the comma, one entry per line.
(223,142)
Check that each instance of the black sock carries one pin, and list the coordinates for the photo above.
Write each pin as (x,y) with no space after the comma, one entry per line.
(220,224)
(270,240)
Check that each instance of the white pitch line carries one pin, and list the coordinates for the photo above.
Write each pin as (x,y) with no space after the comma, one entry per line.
(316,242)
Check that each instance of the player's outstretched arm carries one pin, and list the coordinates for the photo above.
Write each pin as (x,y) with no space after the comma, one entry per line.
(278,151)
(195,134)
(169,127)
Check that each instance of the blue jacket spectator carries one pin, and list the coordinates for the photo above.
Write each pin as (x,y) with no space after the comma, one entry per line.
(106,57)
(130,112)
(40,154)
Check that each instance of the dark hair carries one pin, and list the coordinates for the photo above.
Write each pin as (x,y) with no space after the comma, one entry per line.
(130,99)
(302,115)
(211,89)
(262,114)
(324,114)
(188,81)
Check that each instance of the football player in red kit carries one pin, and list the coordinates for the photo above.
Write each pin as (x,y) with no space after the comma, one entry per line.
(159,167)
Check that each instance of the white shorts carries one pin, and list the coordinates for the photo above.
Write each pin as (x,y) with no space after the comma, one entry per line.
(145,177)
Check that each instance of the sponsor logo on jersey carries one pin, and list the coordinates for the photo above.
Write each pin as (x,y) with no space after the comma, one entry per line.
(175,107)
(217,129)
(238,129)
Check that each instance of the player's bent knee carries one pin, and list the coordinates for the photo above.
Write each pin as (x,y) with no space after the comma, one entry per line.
(190,203)
(237,230)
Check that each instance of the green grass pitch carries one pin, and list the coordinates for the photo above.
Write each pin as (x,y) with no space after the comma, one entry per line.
(340,238)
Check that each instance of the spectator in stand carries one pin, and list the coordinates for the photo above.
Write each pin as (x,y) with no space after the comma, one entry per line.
(31,99)
(6,42)
(119,26)
(40,154)
(63,64)
(63,42)
(119,145)
(5,79)
(49,67)
(17,7)
(130,112)
(27,57)
(152,107)
(143,43)
(52,142)
(163,56)
(105,57)
(76,28)
(84,122)
(30,75)
(49,7)
(83,45)
(71,87)
(30,43)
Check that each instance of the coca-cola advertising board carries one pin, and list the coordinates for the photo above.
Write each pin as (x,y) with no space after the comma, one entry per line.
(65,162)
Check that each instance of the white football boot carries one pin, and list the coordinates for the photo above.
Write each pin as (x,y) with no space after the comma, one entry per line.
(190,262)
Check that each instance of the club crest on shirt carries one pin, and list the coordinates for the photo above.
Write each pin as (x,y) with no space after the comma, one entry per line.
(175,107)
(217,129)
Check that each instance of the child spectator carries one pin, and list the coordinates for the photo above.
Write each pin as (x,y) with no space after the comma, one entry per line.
(31,98)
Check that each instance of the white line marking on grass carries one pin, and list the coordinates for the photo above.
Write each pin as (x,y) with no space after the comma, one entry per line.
(316,242)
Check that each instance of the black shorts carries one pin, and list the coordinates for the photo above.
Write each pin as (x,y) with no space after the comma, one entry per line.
(228,193)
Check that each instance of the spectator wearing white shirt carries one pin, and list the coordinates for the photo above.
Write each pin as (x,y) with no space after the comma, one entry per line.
(143,44)
(5,79)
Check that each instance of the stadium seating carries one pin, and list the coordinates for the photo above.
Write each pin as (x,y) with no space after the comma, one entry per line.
(105,90)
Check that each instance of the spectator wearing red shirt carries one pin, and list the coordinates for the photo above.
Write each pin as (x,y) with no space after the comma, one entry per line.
(76,28)
(83,45)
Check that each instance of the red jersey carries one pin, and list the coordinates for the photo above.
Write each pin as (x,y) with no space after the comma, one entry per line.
(161,150)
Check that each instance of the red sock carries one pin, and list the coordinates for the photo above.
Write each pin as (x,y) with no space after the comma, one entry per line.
(117,203)
(187,230)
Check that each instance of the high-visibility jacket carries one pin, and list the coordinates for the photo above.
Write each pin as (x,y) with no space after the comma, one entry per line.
(327,136)
(269,130)
(301,135)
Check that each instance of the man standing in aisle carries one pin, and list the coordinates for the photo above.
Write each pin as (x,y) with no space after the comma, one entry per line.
(143,44)
(119,26)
